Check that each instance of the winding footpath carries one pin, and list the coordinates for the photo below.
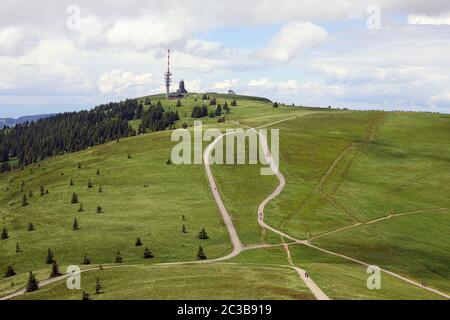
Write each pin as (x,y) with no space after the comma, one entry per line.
(236,242)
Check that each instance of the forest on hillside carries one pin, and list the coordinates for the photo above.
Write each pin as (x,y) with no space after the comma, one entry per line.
(31,142)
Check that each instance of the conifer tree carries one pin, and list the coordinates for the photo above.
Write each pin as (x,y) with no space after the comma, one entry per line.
(233,103)
(50,256)
(5,234)
(99,209)
(90,185)
(98,287)
(86,296)
(201,255)
(218,110)
(18,249)
(100,189)
(74,198)
(32,284)
(119,258)
(79,165)
(24,200)
(138,242)
(184,229)
(31,227)
(98,172)
(86,259)
(75,226)
(275,104)
(71,182)
(55,270)
(81,208)
(148,254)
(10,272)
(202,235)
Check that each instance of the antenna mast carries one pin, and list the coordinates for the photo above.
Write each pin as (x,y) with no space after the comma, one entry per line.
(168,75)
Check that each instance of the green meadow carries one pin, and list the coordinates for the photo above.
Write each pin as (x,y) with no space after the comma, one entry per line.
(341,167)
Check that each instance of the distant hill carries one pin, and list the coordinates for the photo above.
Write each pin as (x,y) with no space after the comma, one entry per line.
(12,122)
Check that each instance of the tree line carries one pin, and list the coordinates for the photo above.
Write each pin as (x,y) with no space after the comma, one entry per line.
(71,132)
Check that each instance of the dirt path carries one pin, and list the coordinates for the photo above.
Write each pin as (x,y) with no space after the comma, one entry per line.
(50,281)
(316,291)
(393,215)
(280,188)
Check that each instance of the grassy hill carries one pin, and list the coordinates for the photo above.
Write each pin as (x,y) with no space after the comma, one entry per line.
(341,168)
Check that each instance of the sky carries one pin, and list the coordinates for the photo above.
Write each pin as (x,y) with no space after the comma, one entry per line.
(58,55)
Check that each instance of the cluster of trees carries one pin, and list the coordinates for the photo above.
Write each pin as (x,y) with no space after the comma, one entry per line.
(199,112)
(203,111)
(157,119)
(71,132)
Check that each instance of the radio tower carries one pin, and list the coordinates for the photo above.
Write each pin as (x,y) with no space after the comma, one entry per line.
(168,76)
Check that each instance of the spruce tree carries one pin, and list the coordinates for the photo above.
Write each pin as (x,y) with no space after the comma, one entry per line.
(10,272)
(90,185)
(119,258)
(148,254)
(86,259)
(98,172)
(31,227)
(81,209)
(99,209)
(100,189)
(5,234)
(32,284)
(86,296)
(202,235)
(75,226)
(74,198)
(98,287)
(24,200)
(55,270)
(18,249)
(50,256)
(201,255)
(71,182)
(138,242)
(218,110)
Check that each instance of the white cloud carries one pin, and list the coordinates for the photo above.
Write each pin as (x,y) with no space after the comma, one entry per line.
(226,84)
(293,38)
(17,41)
(290,86)
(193,85)
(121,82)
(203,48)
(40,76)
(423,19)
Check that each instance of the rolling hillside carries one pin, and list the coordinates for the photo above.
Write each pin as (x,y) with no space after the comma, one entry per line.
(344,170)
